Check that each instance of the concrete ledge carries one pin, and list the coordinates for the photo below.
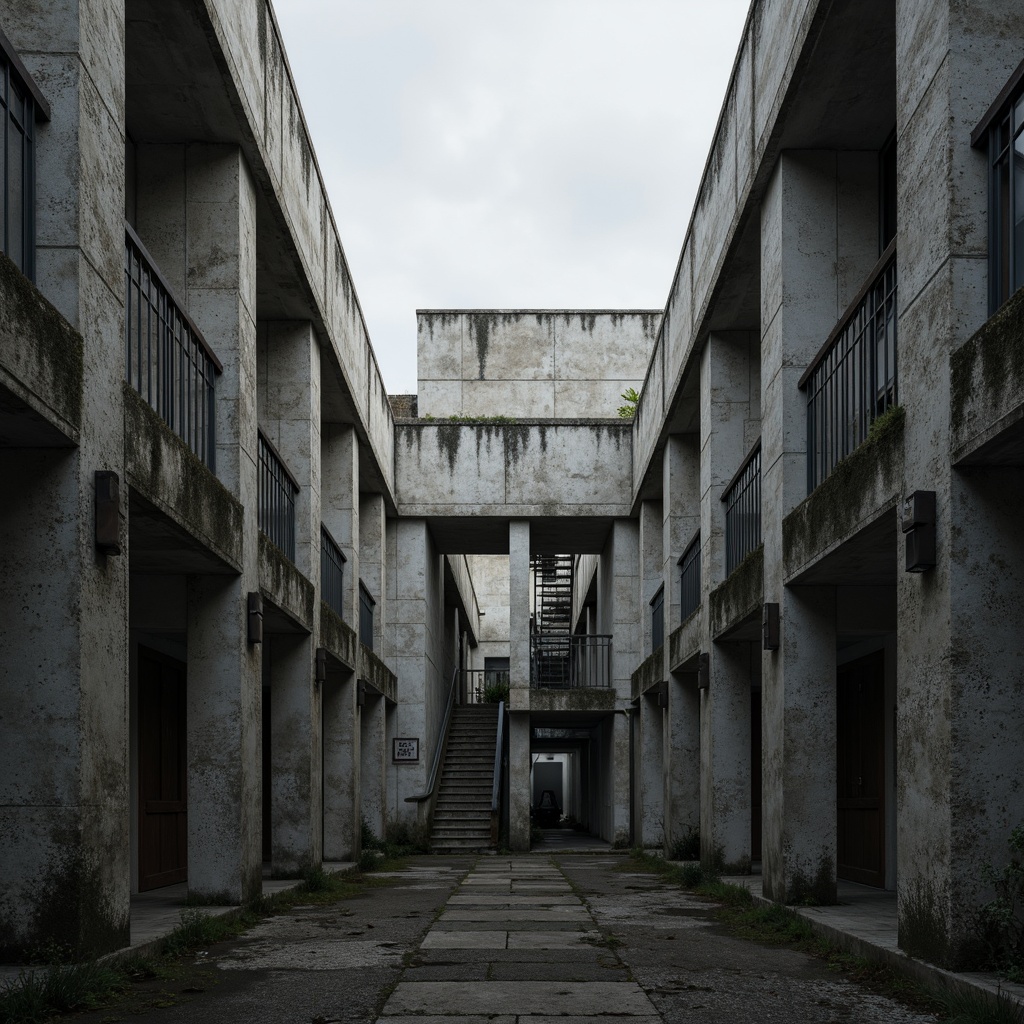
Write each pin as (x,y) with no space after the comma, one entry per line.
(865,483)
(40,353)
(987,388)
(164,470)
(338,637)
(740,597)
(650,673)
(375,673)
(284,586)
(579,698)
(684,642)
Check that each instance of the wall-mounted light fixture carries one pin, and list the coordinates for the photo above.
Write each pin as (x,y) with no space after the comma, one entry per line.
(255,606)
(663,694)
(361,694)
(704,672)
(770,626)
(918,526)
(321,665)
(108,515)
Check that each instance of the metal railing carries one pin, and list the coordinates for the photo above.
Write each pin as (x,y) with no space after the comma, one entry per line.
(658,619)
(332,573)
(21,105)
(479,679)
(496,785)
(276,494)
(853,379)
(564,661)
(742,500)
(167,360)
(689,580)
(366,606)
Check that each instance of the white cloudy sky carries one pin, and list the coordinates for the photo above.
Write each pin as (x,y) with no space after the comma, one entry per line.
(508,153)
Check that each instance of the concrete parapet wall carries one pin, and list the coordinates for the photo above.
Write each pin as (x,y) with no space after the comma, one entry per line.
(40,353)
(339,639)
(740,596)
(684,642)
(283,585)
(374,672)
(519,469)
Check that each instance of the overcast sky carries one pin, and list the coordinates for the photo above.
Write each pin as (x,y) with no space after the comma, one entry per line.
(508,153)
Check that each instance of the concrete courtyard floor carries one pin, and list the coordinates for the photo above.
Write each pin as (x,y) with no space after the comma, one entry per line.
(535,939)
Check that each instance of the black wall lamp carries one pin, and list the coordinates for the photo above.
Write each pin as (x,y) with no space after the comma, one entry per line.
(704,672)
(663,694)
(918,526)
(360,694)
(255,606)
(770,626)
(108,516)
(321,665)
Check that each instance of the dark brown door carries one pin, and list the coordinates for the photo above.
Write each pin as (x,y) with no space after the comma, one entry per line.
(860,743)
(163,822)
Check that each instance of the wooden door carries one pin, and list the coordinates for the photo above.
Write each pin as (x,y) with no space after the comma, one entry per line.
(860,746)
(163,818)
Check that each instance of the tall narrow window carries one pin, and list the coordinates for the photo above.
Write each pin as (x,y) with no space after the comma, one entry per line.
(1002,131)
(21,105)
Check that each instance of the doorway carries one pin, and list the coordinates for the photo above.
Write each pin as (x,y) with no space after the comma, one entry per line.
(163,811)
(860,775)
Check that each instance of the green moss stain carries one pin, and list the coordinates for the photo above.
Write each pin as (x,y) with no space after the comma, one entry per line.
(814,890)
(286,586)
(517,440)
(741,592)
(449,439)
(481,325)
(838,503)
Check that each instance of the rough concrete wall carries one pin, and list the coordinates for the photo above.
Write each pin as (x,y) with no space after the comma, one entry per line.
(530,363)
(490,574)
(520,469)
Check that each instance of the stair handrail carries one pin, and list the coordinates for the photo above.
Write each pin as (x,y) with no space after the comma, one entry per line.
(496,785)
(442,743)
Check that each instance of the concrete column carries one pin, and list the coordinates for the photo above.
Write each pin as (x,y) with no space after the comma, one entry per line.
(519,781)
(650,765)
(64,812)
(681,512)
(340,506)
(224,674)
(519,678)
(725,760)
(373,560)
(342,762)
(681,723)
(519,611)
(652,572)
(373,754)
(958,655)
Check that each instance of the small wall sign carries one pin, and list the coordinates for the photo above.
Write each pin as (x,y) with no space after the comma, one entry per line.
(406,749)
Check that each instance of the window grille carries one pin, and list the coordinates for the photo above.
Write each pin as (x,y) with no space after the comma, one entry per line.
(277,490)
(743,511)
(332,573)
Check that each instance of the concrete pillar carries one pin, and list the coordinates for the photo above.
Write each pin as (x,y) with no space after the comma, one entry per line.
(652,572)
(373,560)
(725,760)
(681,723)
(680,513)
(958,662)
(64,637)
(340,506)
(224,674)
(373,752)
(650,765)
(342,764)
(519,679)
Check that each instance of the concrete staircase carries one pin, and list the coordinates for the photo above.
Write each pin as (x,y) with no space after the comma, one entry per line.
(462,814)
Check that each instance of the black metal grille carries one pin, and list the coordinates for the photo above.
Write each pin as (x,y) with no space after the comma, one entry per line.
(366,605)
(332,573)
(854,380)
(689,597)
(570,660)
(277,490)
(658,619)
(743,511)
(19,176)
(167,359)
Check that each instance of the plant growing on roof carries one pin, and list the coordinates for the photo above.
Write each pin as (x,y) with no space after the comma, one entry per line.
(631,398)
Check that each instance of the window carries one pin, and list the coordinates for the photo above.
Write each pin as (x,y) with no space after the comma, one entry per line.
(1002,131)
(21,105)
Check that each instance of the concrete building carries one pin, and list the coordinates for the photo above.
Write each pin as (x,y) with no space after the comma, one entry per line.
(778,609)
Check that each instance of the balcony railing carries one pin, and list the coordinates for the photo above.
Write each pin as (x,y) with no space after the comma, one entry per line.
(478,679)
(742,500)
(167,359)
(689,566)
(332,573)
(277,491)
(853,379)
(565,661)
(658,619)
(21,105)
(366,606)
